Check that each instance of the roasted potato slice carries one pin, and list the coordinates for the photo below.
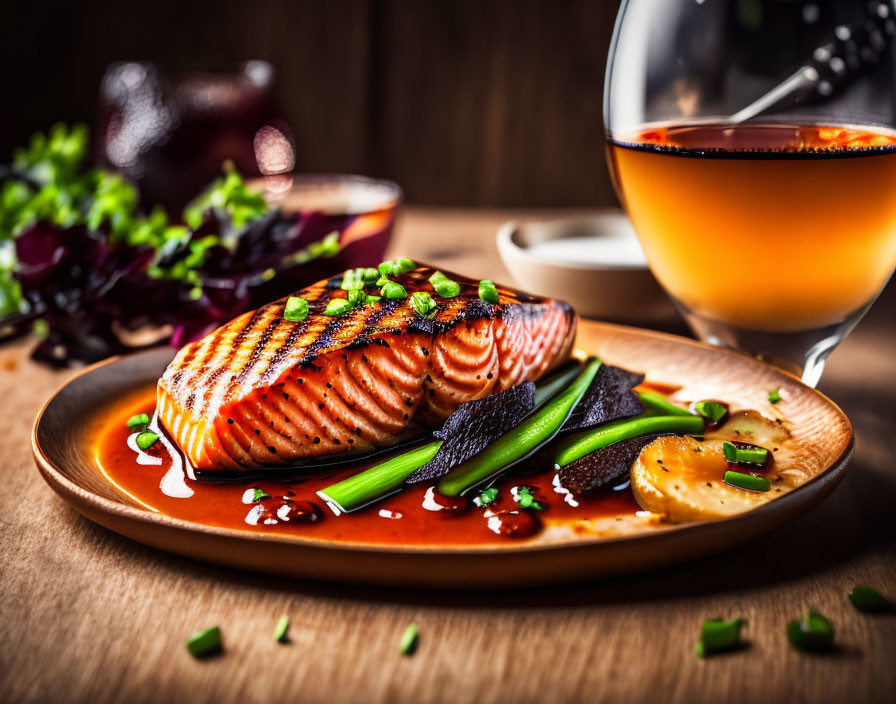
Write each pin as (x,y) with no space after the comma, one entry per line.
(680,479)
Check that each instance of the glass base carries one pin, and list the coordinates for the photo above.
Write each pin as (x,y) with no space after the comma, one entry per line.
(801,353)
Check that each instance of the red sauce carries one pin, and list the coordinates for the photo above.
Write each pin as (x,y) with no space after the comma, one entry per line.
(221,503)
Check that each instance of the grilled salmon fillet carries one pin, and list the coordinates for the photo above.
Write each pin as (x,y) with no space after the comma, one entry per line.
(262,391)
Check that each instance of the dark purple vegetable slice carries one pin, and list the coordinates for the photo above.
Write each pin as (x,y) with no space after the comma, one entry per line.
(473,426)
(610,397)
(604,466)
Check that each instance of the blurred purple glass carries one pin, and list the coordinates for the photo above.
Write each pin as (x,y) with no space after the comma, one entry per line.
(170,132)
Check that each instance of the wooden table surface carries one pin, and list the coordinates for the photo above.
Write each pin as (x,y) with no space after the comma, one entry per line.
(92,617)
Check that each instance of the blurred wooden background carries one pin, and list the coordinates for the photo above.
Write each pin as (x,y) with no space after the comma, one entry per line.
(465,102)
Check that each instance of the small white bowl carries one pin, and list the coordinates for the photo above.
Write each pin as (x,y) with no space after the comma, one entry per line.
(595,264)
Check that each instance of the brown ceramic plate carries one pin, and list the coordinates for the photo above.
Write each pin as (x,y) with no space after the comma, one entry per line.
(65,459)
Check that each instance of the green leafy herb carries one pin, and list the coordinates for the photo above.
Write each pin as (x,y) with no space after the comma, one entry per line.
(230,195)
(337,306)
(146,439)
(205,642)
(138,422)
(718,636)
(423,303)
(750,482)
(812,632)
(488,292)
(744,454)
(259,495)
(774,396)
(409,639)
(713,410)
(281,630)
(296,309)
(444,286)
(868,599)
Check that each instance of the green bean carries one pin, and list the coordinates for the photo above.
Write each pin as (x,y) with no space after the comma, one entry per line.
(657,404)
(520,442)
(580,444)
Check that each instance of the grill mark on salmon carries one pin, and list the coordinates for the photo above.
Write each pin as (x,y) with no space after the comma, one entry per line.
(265,392)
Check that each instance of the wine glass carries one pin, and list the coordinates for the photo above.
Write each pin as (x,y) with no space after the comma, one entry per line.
(753,144)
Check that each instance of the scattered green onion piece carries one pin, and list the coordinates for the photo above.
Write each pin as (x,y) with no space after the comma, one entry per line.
(750,455)
(717,636)
(337,306)
(281,629)
(296,309)
(260,495)
(383,280)
(370,275)
(138,422)
(204,642)
(774,396)
(392,290)
(868,599)
(386,269)
(488,292)
(371,299)
(658,404)
(444,286)
(409,639)
(526,500)
(713,410)
(396,268)
(423,303)
(812,632)
(488,496)
(525,438)
(580,444)
(352,281)
(750,482)
(146,439)
(405,265)
(378,481)
(356,298)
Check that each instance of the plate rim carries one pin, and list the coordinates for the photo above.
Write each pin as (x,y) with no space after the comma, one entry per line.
(68,488)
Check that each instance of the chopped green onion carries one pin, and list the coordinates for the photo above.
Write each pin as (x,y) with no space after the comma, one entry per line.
(774,396)
(352,280)
(525,499)
(259,495)
(713,410)
(522,440)
(658,404)
(371,299)
(488,292)
(204,642)
(378,481)
(396,268)
(337,306)
(409,639)
(383,280)
(281,629)
(717,636)
(406,264)
(812,632)
(580,444)
(392,290)
(296,309)
(868,599)
(370,275)
(356,298)
(488,496)
(750,482)
(138,422)
(386,269)
(444,286)
(146,439)
(750,454)
(423,303)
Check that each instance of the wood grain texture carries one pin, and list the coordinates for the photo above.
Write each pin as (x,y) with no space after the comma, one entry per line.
(90,616)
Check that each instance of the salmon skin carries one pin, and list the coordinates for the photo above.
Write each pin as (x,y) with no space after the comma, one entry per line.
(263,392)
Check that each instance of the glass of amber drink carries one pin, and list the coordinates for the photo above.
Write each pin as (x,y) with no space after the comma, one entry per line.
(753,145)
